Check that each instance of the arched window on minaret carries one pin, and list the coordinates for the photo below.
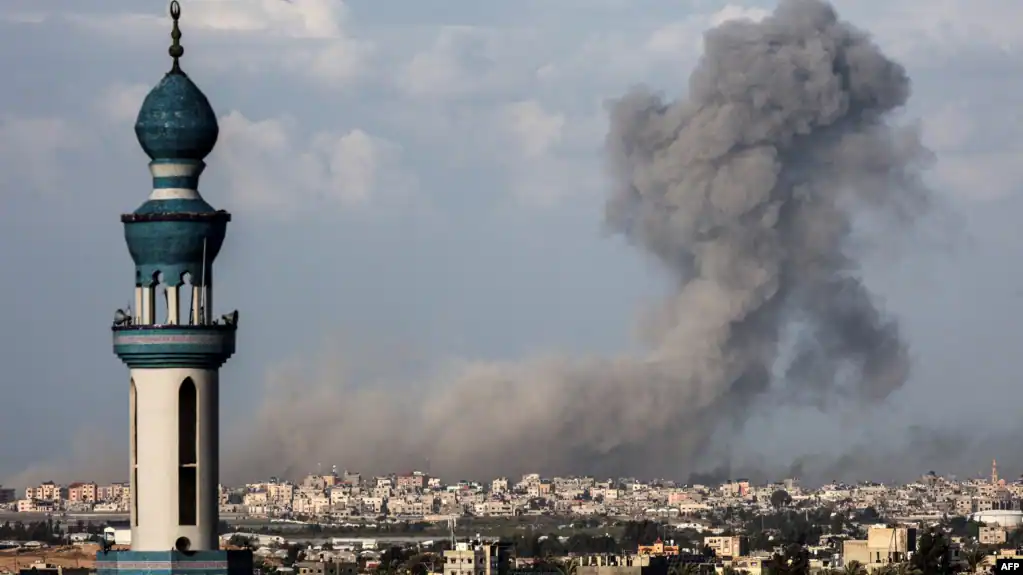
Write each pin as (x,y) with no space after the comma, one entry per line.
(188,423)
(134,415)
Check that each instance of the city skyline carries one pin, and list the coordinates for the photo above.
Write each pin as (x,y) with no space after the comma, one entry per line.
(461,224)
(991,475)
(333,493)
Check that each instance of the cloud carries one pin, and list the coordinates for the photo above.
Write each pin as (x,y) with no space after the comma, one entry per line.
(320,19)
(455,64)
(31,150)
(685,37)
(517,103)
(120,103)
(978,146)
(548,157)
(935,30)
(269,167)
(308,38)
(535,129)
(293,19)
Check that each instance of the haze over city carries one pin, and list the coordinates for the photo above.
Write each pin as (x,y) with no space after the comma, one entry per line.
(475,240)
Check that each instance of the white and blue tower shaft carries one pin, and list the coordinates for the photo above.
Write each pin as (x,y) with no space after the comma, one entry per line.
(174,354)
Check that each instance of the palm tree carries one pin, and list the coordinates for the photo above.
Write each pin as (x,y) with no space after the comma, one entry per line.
(854,568)
(569,567)
(905,569)
(974,558)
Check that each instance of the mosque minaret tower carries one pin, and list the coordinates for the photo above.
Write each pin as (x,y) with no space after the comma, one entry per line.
(173,343)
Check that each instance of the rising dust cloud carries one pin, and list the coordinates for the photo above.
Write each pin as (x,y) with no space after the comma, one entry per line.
(746,190)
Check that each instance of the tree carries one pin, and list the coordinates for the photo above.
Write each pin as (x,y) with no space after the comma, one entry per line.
(295,554)
(899,569)
(974,558)
(854,568)
(684,569)
(780,498)
(794,561)
(640,533)
(932,556)
(568,567)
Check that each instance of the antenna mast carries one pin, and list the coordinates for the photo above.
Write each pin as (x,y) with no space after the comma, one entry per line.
(202,295)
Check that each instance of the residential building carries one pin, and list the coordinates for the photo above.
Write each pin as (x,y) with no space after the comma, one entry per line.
(727,547)
(472,558)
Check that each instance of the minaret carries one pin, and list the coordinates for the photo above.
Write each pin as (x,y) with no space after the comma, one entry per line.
(174,353)
(994,472)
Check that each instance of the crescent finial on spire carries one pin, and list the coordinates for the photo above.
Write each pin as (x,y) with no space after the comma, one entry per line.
(175,50)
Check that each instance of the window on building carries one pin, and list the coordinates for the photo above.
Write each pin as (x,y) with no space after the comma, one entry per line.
(188,422)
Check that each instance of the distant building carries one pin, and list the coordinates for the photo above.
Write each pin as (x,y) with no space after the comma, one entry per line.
(473,558)
(1002,517)
(82,492)
(658,548)
(117,534)
(622,565)
(326,568)
(727,547)
(751,565)
(46,491)
(883,546)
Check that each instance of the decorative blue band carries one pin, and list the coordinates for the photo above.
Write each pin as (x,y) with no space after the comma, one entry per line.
(183,182)
(166,346)
(220,562)
(160,565)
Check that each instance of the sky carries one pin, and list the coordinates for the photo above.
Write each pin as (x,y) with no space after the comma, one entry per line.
(420,183)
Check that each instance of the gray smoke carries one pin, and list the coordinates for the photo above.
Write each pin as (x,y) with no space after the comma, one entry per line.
(748,191)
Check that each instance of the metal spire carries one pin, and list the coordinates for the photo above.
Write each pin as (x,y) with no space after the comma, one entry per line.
(175,50)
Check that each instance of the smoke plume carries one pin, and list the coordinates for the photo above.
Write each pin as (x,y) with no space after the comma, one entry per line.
(747,190)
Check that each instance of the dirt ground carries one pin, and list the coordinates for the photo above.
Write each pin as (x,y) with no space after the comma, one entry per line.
(11,560)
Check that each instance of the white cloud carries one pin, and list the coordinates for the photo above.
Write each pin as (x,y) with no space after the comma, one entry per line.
(685,37)
(453,65)
(734,12)
(490,93)
(556,156)
(463,61)
(925,33)
(978,149)
(337,64)
(31,148)
(296,19)
(120,103)
(535,129)
(308,38)
(269,167)
(982,176)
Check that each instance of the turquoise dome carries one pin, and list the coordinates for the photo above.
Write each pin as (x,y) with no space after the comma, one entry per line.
(176,121)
